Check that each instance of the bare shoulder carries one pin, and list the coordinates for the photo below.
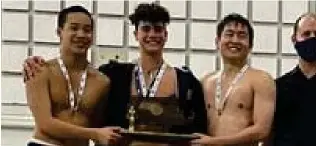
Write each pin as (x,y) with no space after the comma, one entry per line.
(52,63)
(261,80)
(209,77)
(98,77)
(258,75)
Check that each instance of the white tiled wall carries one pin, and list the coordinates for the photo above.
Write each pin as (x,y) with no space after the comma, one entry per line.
(53,6)
(12,56)
(17,26)
(202,35)
(287,45)
(240,6)
(268,64)
(105,34)
(204,10)
(45,23)
(288,15)
(110,7)
(29,28)
(265,38)
(177,9)
(176,37)
(265,11)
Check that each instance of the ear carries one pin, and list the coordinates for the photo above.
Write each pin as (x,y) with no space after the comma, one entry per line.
(216,43)
(293,39)
(135,35)
(58,31)
(166,35)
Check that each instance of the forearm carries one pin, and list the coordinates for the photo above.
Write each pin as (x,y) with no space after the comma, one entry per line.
(250,134)
(63,130)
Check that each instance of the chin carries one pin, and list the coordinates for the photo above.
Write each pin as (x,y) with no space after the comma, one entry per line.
(80,50)
(233,57)
(154,49)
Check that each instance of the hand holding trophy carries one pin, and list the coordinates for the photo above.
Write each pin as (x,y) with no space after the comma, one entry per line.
(154,120)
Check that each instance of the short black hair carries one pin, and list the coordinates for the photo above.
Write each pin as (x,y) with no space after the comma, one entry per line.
(295,28)
(62,16)
(151,12)
(237,18)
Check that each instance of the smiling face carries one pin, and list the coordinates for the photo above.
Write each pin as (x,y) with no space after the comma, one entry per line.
(76,33)
(233,42)
(151,37)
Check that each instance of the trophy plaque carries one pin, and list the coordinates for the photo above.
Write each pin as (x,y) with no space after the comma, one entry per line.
(152,119)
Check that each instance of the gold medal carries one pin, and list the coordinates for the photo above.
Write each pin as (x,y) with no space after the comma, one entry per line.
(156,109)
(144,105)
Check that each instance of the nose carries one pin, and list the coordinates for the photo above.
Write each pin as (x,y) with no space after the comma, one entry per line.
(235,38)
(153,33)
(81,33)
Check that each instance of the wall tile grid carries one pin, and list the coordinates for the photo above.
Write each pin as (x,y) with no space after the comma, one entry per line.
(29,28)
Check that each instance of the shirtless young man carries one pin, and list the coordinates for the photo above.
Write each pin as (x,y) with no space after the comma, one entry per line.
(240,100)
(151,77)
(64,95)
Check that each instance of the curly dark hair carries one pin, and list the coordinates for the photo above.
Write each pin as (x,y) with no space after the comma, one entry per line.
(237,18)
(62,16)
(151,12)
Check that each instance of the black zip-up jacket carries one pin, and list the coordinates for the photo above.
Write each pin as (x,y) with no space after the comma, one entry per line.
(120,75)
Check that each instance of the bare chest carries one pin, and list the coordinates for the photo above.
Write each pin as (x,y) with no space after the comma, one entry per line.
(239,99)
(60,97)
(167,86)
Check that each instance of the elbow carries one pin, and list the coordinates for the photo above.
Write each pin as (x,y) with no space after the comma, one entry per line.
(44,125)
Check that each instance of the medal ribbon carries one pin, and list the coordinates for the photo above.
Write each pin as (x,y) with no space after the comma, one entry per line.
(71,96)
(219,101)
(141,87)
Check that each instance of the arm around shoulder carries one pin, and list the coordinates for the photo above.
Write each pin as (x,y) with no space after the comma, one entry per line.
(38,99)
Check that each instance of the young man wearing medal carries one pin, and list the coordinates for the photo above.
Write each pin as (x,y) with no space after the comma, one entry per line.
(63,97)
(149,77)
(240,100)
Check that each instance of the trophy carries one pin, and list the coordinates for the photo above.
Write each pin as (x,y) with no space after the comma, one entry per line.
(154,120)
(131,118)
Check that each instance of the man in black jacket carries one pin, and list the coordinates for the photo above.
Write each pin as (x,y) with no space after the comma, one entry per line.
(294,123)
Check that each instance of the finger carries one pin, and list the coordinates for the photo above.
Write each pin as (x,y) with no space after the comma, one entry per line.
(198,134)
(28,73)
(38,68)
(24,74)
(117,129)
(196,141)
(39,60)
(116,135)
(30,60)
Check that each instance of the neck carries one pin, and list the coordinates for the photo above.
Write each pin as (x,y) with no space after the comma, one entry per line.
(74,62)
(308,68)
(231,68)
(150,62)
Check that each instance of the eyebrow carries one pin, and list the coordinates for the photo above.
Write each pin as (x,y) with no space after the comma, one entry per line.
(79,24)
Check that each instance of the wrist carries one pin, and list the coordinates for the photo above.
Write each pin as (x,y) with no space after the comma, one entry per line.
(93,134)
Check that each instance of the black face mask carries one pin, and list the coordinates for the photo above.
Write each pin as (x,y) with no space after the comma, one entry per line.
(307,49)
